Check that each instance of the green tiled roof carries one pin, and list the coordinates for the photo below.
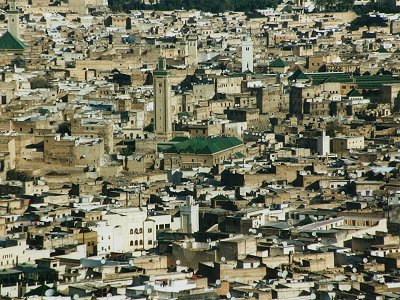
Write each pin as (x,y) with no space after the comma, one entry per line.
(382,50)
(354,93)
(200,145)
(375,81)
(298,75)
(362,82)
(319,78)
(10,42)
(279,63)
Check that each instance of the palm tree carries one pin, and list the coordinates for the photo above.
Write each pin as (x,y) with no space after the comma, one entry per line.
(125,152)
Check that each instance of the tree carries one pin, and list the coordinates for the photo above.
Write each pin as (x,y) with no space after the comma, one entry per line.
(64,128)
(125,152)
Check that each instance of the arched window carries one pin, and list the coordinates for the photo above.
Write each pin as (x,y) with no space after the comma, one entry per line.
(136,231)
(131,243)
(136,243)
(131,231)
(141,242)
(141,230)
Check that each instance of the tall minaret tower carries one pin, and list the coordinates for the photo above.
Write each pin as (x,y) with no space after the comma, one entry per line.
(247,54)
(13,19)
(192,50)
(162,101)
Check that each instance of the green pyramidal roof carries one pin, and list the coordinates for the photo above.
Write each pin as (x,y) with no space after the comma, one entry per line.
(279,63)
(201,145)
(10,42)
(354,93)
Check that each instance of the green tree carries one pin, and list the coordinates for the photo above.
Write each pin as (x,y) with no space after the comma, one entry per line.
(64,128)
(125,152)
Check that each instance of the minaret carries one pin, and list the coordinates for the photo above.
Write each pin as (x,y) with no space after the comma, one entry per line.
(13,19)
(247,54)
(192,50)
(162,101)
(189,216)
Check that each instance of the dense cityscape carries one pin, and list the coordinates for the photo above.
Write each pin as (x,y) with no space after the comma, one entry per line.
(200,150)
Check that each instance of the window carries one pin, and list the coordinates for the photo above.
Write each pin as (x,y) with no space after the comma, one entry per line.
(141,242)
(136,243)
(150,242)
(150,230)
(131,243)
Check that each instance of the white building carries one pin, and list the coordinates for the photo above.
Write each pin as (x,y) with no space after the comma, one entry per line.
(125,230)
(323,144)
(247,54)
(189,216)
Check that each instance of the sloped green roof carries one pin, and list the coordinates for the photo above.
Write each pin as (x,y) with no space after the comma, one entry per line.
(279,63)
(382,50)
(321,77)
(362,82)
(200,145)
(10,42)
(354,93)
(298,75)
(375,81)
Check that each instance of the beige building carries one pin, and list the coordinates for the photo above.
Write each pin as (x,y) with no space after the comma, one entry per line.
(205,152)
(340,144)
(73,151)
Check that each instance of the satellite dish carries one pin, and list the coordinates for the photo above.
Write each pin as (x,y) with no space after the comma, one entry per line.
(285,273)
(77,211)
(131,262)
(49,293)
(223,258)
(353,277)
(218,282)
(109,295)
(231,235)
(103,261)
(313,296)
(75,297)
(178,262)
(314,233)
(330,287)
(354,270)
(280,274)
(365,260)
(228,295)
(148,291)
(259,235)
(284,243)
(275,241)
